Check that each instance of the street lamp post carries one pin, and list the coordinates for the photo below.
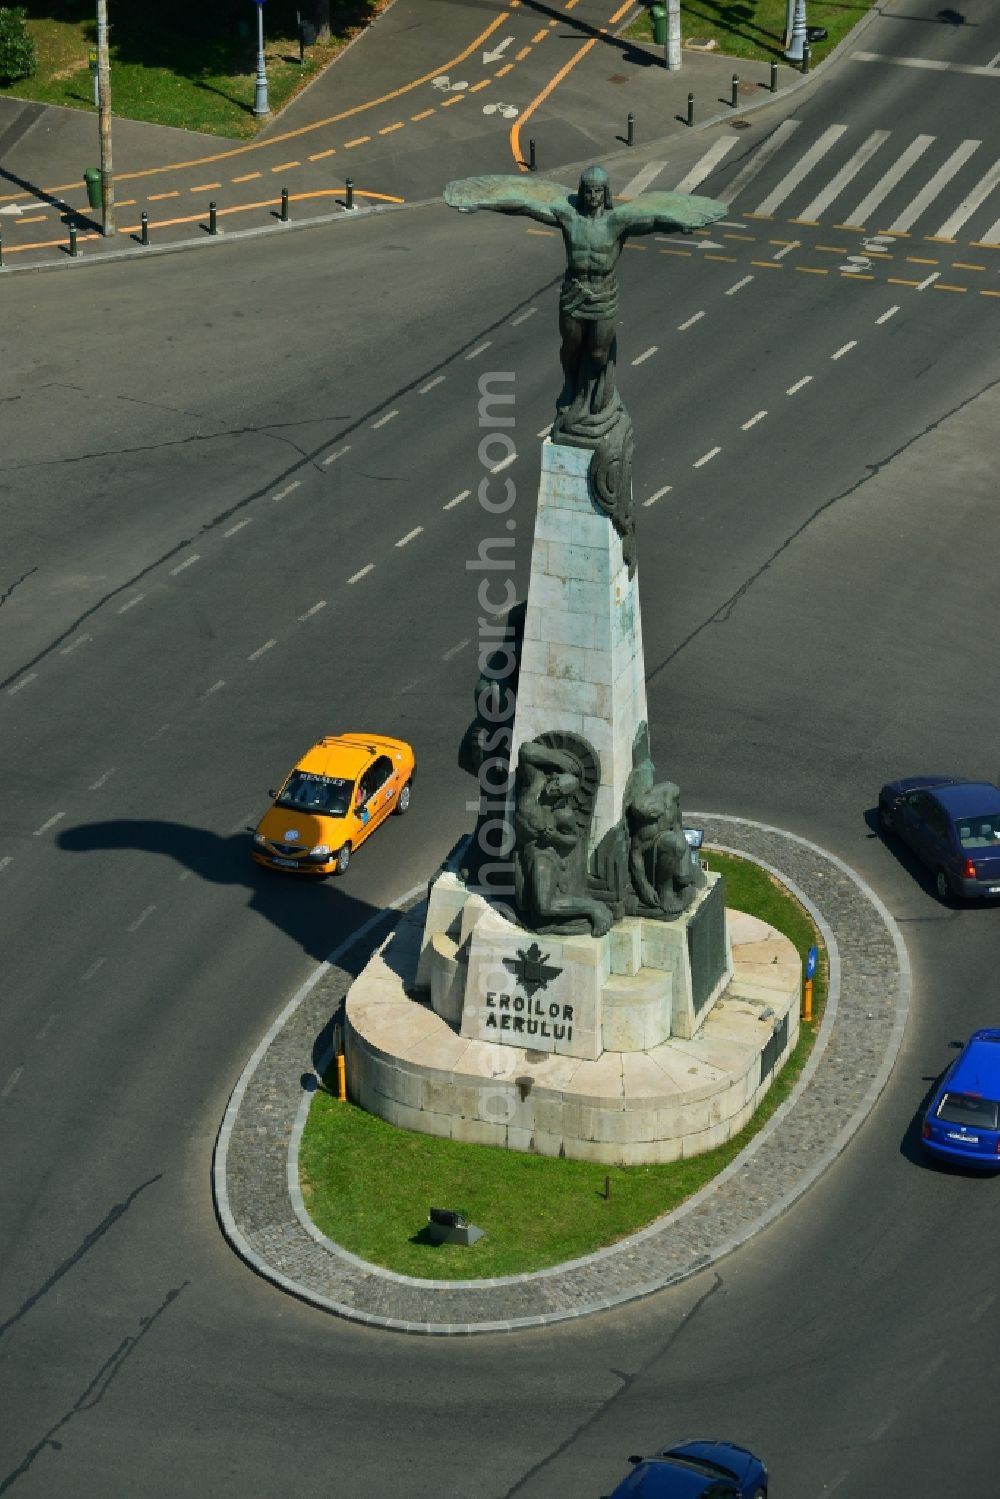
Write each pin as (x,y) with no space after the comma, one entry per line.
(798,38)
(260,105)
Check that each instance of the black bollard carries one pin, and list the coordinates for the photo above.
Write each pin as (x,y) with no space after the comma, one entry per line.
(806,56)
(144,228)
(690,109)
(735,93)
(774,78)
(72,239)
(284,205)
(350,193)
(531,156)
(630,129)
(213,224)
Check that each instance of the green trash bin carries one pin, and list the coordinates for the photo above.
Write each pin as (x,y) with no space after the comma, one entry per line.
(658,21)
(92,177)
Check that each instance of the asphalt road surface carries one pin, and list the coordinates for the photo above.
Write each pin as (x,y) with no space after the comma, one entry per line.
(230,494)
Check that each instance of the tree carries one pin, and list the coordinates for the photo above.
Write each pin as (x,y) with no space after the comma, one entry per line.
(18,53)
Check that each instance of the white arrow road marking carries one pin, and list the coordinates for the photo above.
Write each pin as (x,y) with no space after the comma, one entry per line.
(498,50)
(12,208)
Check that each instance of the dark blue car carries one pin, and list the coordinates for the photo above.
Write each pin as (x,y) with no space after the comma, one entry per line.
(962,1122)
(699,1469)
(953,826)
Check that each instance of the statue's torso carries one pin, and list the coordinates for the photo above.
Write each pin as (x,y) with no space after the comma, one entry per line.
(592,246)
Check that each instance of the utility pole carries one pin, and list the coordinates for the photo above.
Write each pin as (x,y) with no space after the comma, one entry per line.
(104,116)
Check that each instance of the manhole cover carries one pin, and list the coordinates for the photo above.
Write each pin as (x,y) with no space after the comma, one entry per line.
(740,124)
(618,78)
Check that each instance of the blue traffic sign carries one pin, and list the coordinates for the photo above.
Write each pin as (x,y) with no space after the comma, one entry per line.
(811,956)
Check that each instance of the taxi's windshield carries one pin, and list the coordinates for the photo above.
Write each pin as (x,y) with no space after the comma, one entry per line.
(326,796)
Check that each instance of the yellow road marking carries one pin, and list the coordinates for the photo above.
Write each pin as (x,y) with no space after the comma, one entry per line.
(286,166)
(204,187)
(832,249)
(319,155)
(515,129)
(920,260)
(358,141)
(740,236)
(248,177)
(423,115)
(942,286)
(961,265)
(989,293)
(46,244)
(983,244)
(677,252)
(520,56)
(765,216)
(388,129)
(900,281)
(851,228)
(771,265)
(155,197)
(813,270)
(455,99)
(893,233)
(855,276)
(548,233)
(940,239)
(811,223)
(729,259)
(782,241)
(195,218)
(505,69)
(538,36)
(40,219)
(483,83)
(570,4)
(119,203)
(630,246)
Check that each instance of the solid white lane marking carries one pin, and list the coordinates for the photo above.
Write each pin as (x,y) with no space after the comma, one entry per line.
(930,191)
(161,730)
(405,540)
(189,562)
(50,824)
(95,967)
(757,417)
(31,677)
(802,167)
(137,599)
(457,500)
(523,317)
(368,567)
(887,315)
(383,419)
(137,923)
(11,1083)
(7,859)
(786,250)
(255,655)
(215,687)
(80,640)
(338,454)
(705,166)
(431,384)
(969,204)
(932,64)
(479,349)
(798,385)
(658,495)
(455,650)
(739,285)
(96,785)
(928,281)
(641,358)
(758,161)
(860,215)
(643,178)
(314,610)
(706,456)
(847,174)
(498,468)
(238,526)
(682,327)
(287,490)
(545,431)
(845,349)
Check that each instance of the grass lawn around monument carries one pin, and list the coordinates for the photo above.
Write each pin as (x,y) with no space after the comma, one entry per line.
(754,29)
(368,1184)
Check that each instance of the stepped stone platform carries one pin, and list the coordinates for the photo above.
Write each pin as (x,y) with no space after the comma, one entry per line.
(410,1066)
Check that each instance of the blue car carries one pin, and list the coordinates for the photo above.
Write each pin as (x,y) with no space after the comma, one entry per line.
(952,826)
(962,1122)
(699,1469)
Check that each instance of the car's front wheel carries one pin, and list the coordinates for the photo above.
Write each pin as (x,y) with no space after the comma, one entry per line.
(343,859)
(942,885)
(403,801)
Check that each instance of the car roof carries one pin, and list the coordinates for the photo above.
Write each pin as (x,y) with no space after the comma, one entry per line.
(659,1478)
(336,757)
(978,1068)
(968,798)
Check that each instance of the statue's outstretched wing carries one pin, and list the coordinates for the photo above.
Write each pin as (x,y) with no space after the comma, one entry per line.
(651,211)
(535,196)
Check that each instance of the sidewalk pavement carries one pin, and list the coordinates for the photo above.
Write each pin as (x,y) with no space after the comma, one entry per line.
(255,1170)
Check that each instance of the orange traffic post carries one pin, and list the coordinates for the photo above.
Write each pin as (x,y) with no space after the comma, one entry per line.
(341,1078)
(807,1002)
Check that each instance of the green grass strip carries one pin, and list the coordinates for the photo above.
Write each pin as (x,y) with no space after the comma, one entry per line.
(754,29)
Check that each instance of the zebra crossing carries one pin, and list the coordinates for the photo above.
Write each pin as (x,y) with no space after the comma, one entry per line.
(924,185)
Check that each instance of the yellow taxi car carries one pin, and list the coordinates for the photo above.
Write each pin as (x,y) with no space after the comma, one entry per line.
(333,800)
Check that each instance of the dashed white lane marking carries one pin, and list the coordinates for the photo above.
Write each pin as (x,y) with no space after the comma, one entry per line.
(95,967)
(134,926)
(11,1083)
(131,603)
(255,655)
(314,610)
(739,285)
(188,562)
(50,824)
(431,384)
(641,358)
(845,349)
(786,249)
(332,458)
(798,385)
(479,349)
(523,317)
(161,730)
(405,540)
(681,327)
(455,650)
(215,687)
(409,686)
(295,484)
(383,419)
(705,457)
(450,505)
(928,281)
(96,785)
(658,495)
(498,468)
(887,315)
(545,431)
(80,640)
(368,567)
(758,416)
(7,859)
(40,1035)
(32,675)
(238,526)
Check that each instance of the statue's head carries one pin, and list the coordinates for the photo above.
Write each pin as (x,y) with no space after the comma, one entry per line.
(594,192)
